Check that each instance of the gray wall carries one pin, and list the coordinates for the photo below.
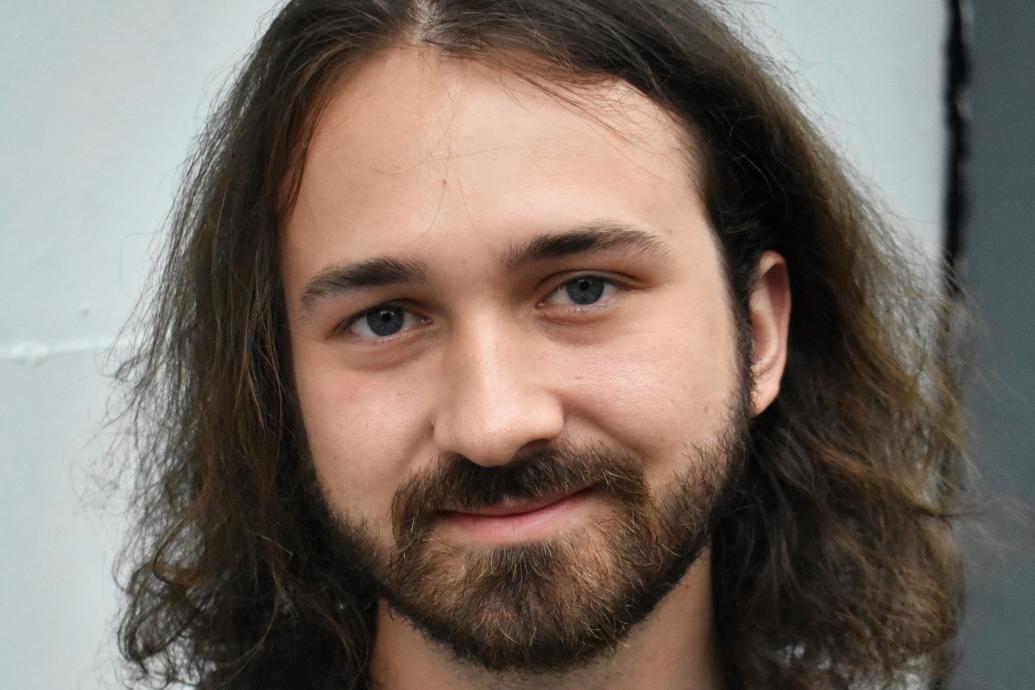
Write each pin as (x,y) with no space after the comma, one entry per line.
(98,102)
(999,643)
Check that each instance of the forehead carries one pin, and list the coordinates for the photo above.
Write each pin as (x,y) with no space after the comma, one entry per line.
(415,149)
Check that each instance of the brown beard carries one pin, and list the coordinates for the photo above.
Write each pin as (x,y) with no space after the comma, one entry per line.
(554,604)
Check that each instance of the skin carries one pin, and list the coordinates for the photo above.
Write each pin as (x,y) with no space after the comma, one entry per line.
(451,163)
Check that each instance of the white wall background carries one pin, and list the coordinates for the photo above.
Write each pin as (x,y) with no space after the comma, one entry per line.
(99,101)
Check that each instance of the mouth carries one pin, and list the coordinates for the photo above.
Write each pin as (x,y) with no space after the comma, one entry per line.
(514,520)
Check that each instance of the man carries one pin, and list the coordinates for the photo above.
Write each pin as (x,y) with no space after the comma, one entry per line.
(473,365)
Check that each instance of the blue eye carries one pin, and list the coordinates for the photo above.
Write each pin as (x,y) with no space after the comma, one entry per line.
(582,291)
(383,321)
(585,290)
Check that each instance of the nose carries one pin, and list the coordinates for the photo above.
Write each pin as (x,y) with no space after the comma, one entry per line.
(494,402)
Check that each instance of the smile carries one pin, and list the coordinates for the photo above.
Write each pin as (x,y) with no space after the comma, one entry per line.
(513,521)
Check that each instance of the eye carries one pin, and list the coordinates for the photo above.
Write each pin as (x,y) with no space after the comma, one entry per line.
(582,291)
(382,322)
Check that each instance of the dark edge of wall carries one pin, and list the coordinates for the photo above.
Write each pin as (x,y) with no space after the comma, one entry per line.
(957,81)
(958,46)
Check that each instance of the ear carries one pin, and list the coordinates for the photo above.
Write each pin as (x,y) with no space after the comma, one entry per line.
(770,307)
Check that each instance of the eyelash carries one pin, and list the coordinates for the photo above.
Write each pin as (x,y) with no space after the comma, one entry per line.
(582,308)
(609,284)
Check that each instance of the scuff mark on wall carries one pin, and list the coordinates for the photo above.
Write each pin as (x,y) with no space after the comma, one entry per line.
(34,353)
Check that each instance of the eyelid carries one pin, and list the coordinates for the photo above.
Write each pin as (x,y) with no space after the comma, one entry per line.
(347,324)
(610,280)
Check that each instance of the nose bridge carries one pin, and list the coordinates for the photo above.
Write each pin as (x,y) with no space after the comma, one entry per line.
(494,401)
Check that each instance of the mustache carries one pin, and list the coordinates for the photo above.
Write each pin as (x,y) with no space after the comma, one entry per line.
(457,483)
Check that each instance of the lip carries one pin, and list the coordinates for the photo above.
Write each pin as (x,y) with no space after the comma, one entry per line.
(515,506)
(513,520)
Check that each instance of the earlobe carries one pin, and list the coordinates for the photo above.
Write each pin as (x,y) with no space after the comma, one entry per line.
(770,307)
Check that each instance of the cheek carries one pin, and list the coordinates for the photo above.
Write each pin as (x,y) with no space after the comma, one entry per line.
(663,387)
(363,433)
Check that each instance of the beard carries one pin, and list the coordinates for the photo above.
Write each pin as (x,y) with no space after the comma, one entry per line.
(558,603)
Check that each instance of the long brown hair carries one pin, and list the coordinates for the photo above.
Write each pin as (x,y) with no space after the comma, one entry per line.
(836,566)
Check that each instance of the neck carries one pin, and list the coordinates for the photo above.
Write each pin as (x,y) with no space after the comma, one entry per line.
(672,649)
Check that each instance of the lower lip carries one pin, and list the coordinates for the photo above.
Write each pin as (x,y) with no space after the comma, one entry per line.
(496,529)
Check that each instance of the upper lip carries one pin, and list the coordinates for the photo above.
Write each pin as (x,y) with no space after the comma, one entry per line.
(512,506)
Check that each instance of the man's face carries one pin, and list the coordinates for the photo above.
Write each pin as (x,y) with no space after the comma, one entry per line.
(514,352)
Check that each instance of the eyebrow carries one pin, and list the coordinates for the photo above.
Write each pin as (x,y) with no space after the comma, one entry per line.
(593,237)
(371,273)
(386,271)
